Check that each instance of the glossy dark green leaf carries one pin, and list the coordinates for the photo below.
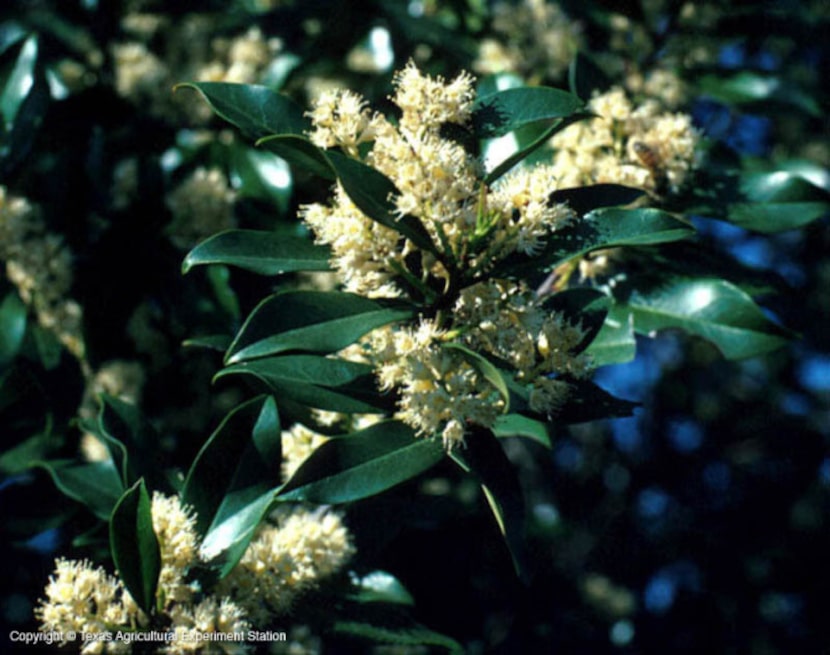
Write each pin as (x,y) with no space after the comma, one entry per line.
(266,253)
(96,485)
(498,113)
(13,320)
(300,152)
(256,110)
(232,479)
(615,343)
(713,309)
(380,587)
(581,306)
(259,174)
(321,382)
(604,228)
(484,457)
(778,201)
(134,546)
(313,321)
(747,87)
(362,464)
(217,342)
(519,425)
(20,81)
(24,101)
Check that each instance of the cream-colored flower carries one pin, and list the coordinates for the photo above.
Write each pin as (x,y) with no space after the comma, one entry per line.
(215,626)
(287,558)
(175,528)
(201,205)
(85,599)
(639,146)
(298,442)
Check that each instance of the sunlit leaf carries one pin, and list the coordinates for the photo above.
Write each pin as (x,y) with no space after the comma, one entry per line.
(232,480)
(256,110)
(96,485)
(713,309)
(362,464)
(504,111)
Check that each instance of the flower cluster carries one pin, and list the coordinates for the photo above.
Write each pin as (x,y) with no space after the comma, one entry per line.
(287,558)
(437,181)
(39,264)
(201,205)
(158,53)
(472,227)
(533,38)
(638,146)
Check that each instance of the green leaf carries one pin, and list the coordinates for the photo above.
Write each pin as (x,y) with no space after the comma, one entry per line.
(13,319)
(313,321)
(266,253)
(519,425)
(218,342)
(498,113)
(615,343)
(262,175)
(96,485)
(380,587)
(135,549)
(233,477)
(300,152)
(321,382)
(256,110)
(747,87)
(362,464)
(779,201)
(711,308)
(488,371)
(484,457)
(603,228)
(20,81)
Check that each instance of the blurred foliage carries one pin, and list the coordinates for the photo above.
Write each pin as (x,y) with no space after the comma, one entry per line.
(697,525)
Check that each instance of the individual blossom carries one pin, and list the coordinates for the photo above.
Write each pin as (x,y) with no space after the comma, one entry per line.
(640,146)
(288,557)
